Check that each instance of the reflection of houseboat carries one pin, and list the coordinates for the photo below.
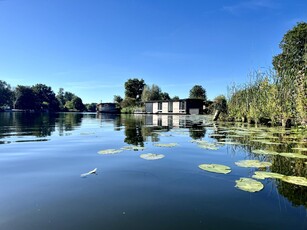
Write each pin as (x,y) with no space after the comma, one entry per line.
(107,108)
(183,106)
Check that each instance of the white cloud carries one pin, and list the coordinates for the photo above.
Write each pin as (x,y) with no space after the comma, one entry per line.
(249,5)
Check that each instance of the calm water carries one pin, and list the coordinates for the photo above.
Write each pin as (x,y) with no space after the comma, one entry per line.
(43,156)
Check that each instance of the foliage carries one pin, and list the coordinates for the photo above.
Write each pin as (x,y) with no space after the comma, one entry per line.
(198,92)
(128,102)
(291,67)
(25,98)
(220,103)
(134,88)
(91,107)
(175,98)
(45,97)
(165,96)
(151,93)
(6,94)
(117,99)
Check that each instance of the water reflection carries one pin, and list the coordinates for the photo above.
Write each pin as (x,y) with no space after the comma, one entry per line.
(139,129)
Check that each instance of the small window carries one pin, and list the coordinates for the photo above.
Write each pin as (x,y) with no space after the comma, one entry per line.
(182,105)
(159,106)
(170,106)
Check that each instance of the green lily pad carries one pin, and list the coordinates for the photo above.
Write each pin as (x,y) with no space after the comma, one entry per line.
(263,175)
(133,147)
(295,180)
(110,151)
(300,149)
(293,155)
(253,164)
(215,168)
(168,145)
(264,152)
(230,143)
(152,156)
(249,185)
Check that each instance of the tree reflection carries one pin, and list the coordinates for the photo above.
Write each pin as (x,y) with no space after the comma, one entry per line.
(133,130)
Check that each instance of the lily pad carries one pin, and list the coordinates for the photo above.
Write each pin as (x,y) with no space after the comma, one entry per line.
(249,185)
(253,164)
(152,156)
(264,152)
(230,143)
(295,180)
(215,168)
(133,147)
(168,145)
(263,175)
(110,151)
(293,155)
(300,149)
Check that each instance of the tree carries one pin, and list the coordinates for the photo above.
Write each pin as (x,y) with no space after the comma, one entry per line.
(78,104)
(25,98)
(6,94)
(45,97)
(61,98)
(134,88)
(198,92)
(165,96)
(175,98)
(117,99)
(151,93)
(291,67)
(91,107)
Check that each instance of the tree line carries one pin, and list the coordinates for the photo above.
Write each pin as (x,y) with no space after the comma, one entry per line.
(278,96)
(137,92)
(40,97)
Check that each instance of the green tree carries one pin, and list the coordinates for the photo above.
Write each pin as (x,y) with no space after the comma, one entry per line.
(175,98)
(78,104)
(165,96)
(91,107)
(198,92)
(25,98)
(134,88)
(151,93)
(291,67)
(6,94)
(45,97)
(61,98)
(117,99)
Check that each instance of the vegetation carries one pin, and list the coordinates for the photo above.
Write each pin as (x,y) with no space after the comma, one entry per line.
(40,97)
(198,92)
(279,96)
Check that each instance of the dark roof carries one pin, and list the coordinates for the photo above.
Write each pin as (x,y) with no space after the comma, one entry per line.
(186,99)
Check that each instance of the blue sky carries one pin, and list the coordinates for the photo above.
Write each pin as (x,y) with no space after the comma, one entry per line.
(92,47)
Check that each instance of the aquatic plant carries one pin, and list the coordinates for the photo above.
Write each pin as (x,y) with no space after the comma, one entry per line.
(249,185)
(215,168)
(110,151)
(152,156)
(253,164)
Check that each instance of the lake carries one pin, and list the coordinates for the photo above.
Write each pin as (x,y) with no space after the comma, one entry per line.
(43,157)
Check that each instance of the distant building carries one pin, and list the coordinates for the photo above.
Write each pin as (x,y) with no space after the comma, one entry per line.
(107,108)
(182,106)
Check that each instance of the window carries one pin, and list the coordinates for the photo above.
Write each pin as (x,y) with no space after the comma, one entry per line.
(159,106)
(170,106)
(181,105)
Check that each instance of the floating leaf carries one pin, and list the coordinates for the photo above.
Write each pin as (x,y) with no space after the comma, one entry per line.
(264,152)
(263,175)
(168,145)
(151,156)
(249,185)
(94,171)
(230,143)
(293,155)
(300,149)
(295,180)
(216,168)
(253,163)
(110,151)
(133,147)
(208,146)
